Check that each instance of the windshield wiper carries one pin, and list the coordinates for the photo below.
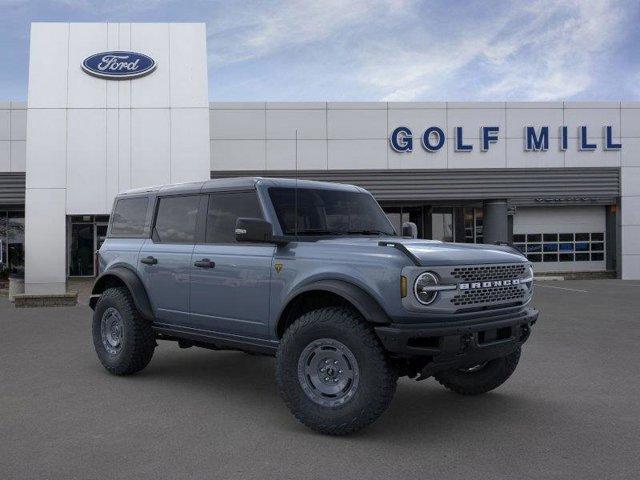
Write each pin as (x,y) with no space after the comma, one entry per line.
(342,232)
(320,232)
(369,232)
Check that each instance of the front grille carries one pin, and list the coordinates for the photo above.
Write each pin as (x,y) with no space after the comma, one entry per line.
(479,273)
(489,295)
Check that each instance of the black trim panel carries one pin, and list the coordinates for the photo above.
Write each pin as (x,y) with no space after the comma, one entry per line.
(396,337)
(217,339)
(133,283)
(364,303)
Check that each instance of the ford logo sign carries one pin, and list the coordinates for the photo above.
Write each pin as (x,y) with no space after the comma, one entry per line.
(118,65)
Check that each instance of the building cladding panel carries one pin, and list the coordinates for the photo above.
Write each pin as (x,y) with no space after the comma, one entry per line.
(13,136)
(355,135)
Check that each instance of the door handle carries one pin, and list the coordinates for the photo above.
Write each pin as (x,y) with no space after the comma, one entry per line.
(205,263)
(149,260)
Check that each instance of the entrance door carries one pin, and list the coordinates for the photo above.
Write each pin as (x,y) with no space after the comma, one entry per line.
(399,215)
(442,226)
(231,282)
(81,262)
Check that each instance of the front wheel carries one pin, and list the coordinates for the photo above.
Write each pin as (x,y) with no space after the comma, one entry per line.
(333,373)
(480,378)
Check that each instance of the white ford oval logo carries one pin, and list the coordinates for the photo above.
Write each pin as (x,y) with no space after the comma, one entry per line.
(118,65)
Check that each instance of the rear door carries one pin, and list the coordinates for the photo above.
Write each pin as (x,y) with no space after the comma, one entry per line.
(165,258)
(230,281)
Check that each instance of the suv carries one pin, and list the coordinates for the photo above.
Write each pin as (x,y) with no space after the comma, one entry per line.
(314,274)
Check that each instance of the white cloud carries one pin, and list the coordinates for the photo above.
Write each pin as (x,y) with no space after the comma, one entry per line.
(569,50)
(259,29)
(546,50)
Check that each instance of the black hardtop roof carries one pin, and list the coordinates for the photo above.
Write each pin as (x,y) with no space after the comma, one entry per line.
(237,183)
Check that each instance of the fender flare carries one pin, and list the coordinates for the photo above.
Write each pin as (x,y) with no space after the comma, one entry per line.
(132,282)
(368,307)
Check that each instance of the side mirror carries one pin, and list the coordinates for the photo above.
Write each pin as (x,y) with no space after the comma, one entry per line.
(409,229)
(254,230)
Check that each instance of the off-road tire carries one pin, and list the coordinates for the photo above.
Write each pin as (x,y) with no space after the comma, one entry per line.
(489,377)
(138,339)
(377,377)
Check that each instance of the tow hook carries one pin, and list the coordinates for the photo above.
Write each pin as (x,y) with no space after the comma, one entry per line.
(525,333)
(465,341)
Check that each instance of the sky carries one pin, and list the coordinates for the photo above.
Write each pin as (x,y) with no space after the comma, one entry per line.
(377,50)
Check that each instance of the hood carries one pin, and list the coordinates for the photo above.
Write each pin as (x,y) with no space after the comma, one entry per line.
(434,253)
(442,253)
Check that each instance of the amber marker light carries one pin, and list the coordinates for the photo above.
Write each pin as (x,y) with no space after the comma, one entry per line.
(403,286)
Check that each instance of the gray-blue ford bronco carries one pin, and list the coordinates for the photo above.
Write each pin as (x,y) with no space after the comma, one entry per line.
(314,274)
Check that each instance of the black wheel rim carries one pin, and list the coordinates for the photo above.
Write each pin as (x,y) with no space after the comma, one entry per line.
(112,330)
(328,372)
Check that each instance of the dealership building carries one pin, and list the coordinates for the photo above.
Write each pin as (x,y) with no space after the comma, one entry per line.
(115,106)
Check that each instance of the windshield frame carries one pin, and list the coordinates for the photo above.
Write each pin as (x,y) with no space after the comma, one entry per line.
(379,227)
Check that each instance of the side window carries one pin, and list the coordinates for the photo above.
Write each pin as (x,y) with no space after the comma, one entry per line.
(176,219)
(224,210)
(129,216)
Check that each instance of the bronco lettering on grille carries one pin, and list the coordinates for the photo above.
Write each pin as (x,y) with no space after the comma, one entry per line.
(489,284)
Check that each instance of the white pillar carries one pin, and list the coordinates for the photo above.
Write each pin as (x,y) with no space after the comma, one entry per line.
(630,222)
(45,241)
(45,201)
(630,191)
(89,138)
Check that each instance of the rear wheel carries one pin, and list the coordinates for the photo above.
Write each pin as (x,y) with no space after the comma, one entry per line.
(123,340)
(480,378)
(333,373)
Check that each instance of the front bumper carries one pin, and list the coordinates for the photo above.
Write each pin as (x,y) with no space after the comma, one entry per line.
(459,344)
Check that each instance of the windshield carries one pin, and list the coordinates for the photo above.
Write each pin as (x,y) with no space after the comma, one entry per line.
(329,212)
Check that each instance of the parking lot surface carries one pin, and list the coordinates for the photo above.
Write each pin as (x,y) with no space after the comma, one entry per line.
(571,410)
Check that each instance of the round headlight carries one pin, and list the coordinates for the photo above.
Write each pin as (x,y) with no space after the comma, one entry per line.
(530,275)
(423,288)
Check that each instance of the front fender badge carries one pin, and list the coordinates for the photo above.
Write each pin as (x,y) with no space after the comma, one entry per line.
(278,267)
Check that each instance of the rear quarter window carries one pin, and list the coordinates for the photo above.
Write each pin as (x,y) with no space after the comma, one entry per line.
(129,216)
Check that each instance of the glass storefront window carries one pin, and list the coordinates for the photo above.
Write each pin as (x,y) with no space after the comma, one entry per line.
(15,241)
(442,224)
(11,242)
(399,215)
(543,247)
(449,224)
(469,224)
(4,267)
(86,233)
(473,224)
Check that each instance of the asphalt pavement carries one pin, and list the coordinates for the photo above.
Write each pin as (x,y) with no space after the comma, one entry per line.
(571,410)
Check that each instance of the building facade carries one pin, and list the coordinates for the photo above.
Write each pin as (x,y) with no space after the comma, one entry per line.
(560,180)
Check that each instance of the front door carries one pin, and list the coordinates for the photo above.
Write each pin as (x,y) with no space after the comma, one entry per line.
(165,259)
(230,282)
